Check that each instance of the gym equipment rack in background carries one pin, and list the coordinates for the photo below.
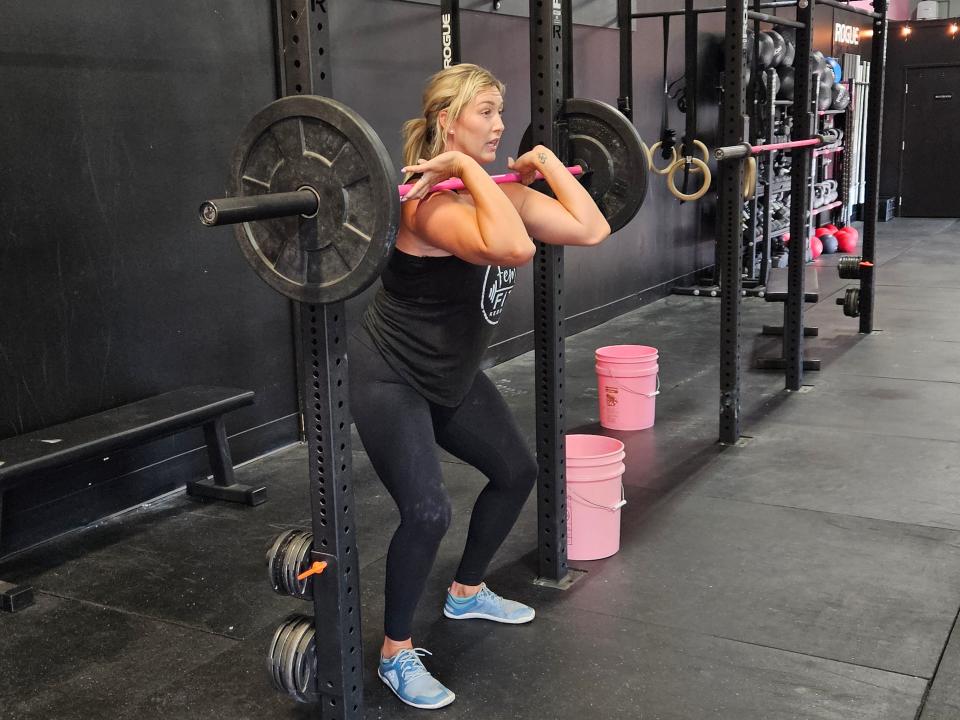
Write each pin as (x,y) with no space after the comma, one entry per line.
(734,127)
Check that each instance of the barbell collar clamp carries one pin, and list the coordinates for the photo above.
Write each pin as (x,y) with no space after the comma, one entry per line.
(251,208)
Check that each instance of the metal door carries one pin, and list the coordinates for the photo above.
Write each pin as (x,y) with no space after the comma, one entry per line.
(930,151)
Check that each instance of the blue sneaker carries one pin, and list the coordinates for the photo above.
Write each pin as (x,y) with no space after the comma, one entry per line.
(405,674)
(487,605)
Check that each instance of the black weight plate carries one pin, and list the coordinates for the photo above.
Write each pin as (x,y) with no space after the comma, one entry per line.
(300,561)
(291,564)
(287,653)
(275,555)
(312,141)
(608,146)
(284,562)
(277,646)
(303,673)
(290,657)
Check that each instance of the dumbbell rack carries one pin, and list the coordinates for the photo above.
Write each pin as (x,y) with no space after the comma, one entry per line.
(825,121)
(760,233)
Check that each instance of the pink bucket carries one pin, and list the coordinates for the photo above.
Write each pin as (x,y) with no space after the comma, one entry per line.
(594,496)
(627,393)
(631,354)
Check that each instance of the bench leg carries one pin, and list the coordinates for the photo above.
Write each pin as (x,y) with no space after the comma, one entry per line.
(777,330)
(13,597)
(223,486)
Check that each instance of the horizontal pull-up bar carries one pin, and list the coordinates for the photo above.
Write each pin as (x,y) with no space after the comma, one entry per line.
(776,20)
(717,9)
(847,8)
(767,5)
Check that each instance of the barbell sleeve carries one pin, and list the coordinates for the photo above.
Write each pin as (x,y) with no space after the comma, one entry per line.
(250,208)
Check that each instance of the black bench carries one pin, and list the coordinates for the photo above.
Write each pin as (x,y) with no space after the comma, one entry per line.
(26,457)
(776,291)
(777,285)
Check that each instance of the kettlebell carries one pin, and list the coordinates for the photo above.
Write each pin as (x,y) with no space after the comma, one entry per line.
(761,82)
(786,75)
(765,50)
(779,48)
(841,97)
(825,92)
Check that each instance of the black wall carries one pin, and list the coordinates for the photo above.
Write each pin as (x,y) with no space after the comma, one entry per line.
(117,119)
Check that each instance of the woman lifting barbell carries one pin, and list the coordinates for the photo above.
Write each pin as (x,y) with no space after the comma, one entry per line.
(415,361)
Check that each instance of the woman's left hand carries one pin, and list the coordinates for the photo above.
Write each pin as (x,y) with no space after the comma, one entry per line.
(530,162)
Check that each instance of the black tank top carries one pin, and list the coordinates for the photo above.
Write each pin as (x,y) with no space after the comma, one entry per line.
(433,319)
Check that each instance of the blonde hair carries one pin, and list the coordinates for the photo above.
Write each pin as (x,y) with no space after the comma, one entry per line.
(451,89)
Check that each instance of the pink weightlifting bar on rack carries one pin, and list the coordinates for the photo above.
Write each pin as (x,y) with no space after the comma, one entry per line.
(734,152)
(457,183)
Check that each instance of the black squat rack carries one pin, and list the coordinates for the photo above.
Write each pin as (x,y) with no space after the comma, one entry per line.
(734,131)
(551,83)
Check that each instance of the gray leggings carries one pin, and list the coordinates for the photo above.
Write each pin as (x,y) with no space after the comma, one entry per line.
(400,430)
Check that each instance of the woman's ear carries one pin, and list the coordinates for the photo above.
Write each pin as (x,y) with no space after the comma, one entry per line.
(442,121)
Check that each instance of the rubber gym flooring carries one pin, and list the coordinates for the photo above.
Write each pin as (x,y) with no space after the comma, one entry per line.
(813,572)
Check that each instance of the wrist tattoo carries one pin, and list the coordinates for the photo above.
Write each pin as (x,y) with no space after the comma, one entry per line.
(542,157)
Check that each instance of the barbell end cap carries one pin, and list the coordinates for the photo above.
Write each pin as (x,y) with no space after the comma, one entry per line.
(208,214)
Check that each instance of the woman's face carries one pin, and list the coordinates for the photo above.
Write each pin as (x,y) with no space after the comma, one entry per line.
(478,129)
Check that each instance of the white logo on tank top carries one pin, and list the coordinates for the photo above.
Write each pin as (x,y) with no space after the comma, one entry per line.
(497,285)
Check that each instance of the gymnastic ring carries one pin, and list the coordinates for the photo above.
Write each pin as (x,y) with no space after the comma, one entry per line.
(750,179)
(701,166)
(666,168)
(704,150)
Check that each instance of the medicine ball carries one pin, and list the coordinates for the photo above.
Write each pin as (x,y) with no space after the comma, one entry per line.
(816,247)
(833,65)
(852,232)
(821,231)
(841,97)
(825,95)
(779,47)
(786,74)
(846,241)
(786,238)
(830,244)
(765,50)
(831,228)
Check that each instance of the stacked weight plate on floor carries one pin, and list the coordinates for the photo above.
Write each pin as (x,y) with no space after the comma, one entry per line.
(291,660)
(287,557)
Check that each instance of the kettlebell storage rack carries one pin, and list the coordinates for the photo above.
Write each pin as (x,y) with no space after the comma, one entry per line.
(735,129)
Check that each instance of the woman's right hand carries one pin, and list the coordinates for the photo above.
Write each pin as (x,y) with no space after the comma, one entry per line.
(443,167)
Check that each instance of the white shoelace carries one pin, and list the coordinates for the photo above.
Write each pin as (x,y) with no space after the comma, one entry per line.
(411,667)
